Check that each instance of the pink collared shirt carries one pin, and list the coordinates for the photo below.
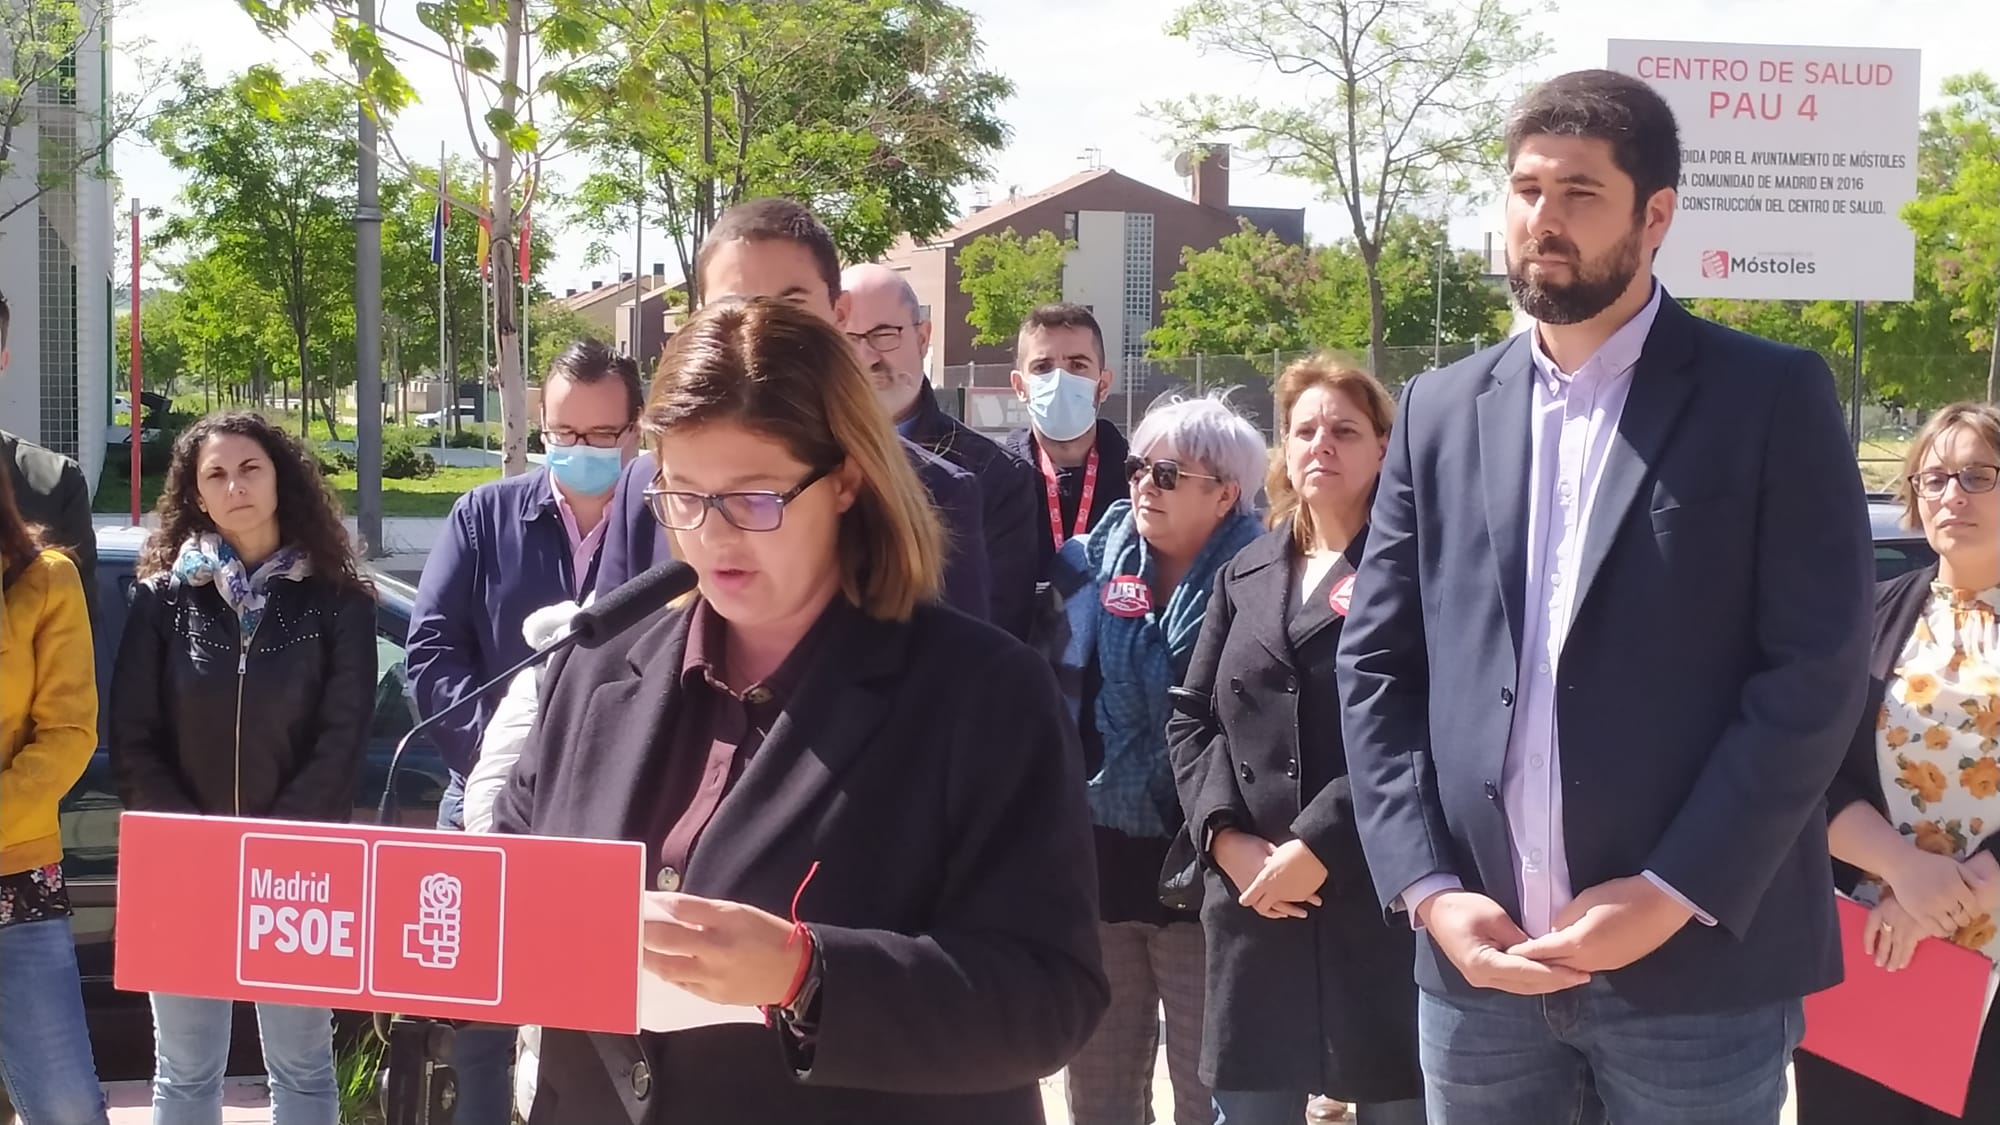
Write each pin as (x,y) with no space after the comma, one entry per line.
(582,547)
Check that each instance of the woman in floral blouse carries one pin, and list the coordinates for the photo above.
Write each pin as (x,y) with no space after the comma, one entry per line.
(1917,801)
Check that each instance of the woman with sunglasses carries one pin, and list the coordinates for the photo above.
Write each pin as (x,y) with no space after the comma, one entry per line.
(1915,809)
(860,808)
(1307,989)
(1137,588)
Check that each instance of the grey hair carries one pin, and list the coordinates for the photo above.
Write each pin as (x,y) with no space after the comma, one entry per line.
(1206,431)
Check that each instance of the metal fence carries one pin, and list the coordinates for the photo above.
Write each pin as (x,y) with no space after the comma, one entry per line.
(1243,381)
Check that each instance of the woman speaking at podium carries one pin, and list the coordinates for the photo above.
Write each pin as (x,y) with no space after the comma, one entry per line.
(864,812)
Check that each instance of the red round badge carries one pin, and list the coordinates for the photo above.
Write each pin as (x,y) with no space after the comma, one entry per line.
(1339,595)
(1126,596)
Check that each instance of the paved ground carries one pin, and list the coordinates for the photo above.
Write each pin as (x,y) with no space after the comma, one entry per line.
(246,1101)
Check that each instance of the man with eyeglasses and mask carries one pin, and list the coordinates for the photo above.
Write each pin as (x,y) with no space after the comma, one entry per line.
(891,335)
(509,548)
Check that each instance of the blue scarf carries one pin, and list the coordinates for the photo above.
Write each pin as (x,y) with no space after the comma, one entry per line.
(208,558)
(1138,658)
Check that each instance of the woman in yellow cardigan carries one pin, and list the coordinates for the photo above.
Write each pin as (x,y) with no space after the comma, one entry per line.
(48,730)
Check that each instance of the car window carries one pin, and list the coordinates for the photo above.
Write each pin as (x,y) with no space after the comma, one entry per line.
(1895,557)
(394,713)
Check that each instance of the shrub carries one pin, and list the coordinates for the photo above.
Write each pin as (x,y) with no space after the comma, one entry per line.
(403,461)
(333,461)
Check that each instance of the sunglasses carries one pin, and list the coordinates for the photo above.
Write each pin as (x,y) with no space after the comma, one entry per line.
(745,511)
(1167,475)
(1973,479)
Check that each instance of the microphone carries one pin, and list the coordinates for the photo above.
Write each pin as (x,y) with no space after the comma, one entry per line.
(616,612)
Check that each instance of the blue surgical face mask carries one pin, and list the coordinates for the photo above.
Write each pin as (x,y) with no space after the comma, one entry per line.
(585,470)
(1062,404)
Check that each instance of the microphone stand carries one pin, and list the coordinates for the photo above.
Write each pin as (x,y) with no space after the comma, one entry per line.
(421,1090)
(420,1087)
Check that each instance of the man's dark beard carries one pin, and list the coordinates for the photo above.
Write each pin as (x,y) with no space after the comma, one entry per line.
(1597,287)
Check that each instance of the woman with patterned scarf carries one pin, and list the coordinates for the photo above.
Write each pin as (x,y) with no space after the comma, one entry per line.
(245,686)
(1136,590)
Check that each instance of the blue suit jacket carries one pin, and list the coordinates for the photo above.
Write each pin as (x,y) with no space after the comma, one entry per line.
(634,541)
(503,554)
(1011,506)
(1708,685)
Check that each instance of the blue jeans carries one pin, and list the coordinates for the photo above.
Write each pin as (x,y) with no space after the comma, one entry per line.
(1288,1107)
(1574,1057)
(191,1050)
(481,1059)
(45,1057)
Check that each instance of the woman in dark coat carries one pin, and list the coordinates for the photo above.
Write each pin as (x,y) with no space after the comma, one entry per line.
(864,813)
(1309,989)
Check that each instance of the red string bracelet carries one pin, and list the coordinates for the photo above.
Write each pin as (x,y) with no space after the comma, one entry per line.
(803,936)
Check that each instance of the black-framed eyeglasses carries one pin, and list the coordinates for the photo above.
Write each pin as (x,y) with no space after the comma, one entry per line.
(1972,479)
(603,437)
(886,338)
(745,511)
(1167,474)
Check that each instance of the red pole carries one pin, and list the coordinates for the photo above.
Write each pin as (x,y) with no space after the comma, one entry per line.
(133,404)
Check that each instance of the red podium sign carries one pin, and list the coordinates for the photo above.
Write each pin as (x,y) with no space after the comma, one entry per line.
(499,929)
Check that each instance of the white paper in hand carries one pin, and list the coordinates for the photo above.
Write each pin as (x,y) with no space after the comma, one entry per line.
(665,1006)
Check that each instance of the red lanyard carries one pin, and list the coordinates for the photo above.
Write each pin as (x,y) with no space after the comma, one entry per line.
(1055,499)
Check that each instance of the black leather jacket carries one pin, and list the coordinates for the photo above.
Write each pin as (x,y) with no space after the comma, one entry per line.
(203,722)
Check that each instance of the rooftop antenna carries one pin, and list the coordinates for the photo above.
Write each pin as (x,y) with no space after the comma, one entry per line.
(1092,157)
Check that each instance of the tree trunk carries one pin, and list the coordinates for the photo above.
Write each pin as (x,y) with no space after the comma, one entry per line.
(1993,359)
(1378,353)
(513,388)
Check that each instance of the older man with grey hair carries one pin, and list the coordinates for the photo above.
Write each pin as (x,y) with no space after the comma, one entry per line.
(891,333)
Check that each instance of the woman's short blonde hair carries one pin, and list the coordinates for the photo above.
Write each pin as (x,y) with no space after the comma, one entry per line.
(1983,419)
(1319,371)
(787,375)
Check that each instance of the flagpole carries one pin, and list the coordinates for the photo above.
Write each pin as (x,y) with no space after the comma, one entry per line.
(485,354)
(450,384)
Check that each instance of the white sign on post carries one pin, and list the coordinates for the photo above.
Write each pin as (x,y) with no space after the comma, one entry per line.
(1796,163)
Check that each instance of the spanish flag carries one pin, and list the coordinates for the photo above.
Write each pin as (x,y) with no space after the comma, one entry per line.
(485,225)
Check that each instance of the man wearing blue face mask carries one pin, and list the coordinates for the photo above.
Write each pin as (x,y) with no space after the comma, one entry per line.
(509,548)
(1061,373)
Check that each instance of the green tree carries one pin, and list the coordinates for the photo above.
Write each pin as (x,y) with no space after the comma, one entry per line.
(554,326)
(230,325)
(870,112)
(410,278)
(162,359)
(270,169)
(1252,294)
(1957,222)
(39,44)
(1398,101)
(1249,294)
(505,58)
(1007,276)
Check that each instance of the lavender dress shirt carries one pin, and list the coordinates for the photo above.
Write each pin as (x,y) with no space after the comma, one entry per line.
(1574,425)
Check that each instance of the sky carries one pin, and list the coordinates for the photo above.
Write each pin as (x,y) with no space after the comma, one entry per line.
(1083,72)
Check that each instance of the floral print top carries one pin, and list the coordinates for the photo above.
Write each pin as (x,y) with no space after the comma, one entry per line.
(35,895)
(1938,736)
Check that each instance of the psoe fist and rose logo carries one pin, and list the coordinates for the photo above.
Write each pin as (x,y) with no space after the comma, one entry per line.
(393,919)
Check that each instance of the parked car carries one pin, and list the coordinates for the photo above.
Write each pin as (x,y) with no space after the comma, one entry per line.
(121,1028)
(436,418)
(1898,549)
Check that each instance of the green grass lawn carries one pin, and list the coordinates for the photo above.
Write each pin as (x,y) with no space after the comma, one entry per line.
(428,496)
